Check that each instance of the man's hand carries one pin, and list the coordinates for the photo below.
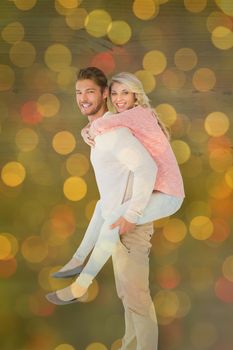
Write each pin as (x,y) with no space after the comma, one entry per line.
(125,226)
(87,137)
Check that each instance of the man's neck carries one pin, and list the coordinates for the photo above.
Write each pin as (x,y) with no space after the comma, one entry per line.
(99,114)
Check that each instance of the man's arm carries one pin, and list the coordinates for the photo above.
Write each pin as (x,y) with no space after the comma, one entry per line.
(131,153)
(85,133)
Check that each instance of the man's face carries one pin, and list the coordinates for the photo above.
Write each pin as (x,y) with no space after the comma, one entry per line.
(90,99)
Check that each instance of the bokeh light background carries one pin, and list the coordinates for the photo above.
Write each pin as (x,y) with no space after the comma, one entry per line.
(182,52)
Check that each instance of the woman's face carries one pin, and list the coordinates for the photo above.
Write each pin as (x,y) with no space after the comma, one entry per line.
(121,97)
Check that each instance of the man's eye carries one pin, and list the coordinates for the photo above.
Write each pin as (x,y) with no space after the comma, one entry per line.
(125,92)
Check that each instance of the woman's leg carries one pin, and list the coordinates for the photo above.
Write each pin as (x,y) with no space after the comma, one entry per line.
(85,247)
(159,206)
(91,234)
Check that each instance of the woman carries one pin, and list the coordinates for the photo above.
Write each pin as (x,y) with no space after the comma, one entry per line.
(134,112)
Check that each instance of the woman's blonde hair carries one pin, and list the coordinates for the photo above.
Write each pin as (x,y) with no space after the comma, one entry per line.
(134,85)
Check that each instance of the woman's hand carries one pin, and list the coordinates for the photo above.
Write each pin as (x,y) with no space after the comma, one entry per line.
(125,226)
(87,136)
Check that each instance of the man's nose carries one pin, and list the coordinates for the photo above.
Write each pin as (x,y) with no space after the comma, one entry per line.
(82,97)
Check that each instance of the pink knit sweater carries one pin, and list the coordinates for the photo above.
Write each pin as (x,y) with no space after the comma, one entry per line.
(144,126)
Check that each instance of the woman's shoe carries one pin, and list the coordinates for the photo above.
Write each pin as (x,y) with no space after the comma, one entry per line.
(68,273)
(54,299)
(67,295)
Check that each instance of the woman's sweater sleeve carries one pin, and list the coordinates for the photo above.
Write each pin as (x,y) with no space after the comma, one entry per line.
(101,125)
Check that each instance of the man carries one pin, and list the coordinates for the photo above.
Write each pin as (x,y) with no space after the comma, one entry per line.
(116,184)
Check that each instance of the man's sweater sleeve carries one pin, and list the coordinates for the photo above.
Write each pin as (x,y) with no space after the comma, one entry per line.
(133,155)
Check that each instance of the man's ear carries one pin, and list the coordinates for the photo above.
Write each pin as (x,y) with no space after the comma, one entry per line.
(105,92)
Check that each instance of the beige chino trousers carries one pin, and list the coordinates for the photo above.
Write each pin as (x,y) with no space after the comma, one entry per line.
(131,270)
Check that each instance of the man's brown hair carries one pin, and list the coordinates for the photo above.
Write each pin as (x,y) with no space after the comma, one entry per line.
(94,74)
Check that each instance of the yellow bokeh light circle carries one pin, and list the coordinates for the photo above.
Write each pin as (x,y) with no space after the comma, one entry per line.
(44,278)
(7,77)
(64,11)
(194,5)
(25,5)
(166,303)
(57,57)
(26,139)
(64,142)
(204,79)
(201,227)
(64,347)
(34,249)
(75,188)
(13,174)
(182,151)
(70,4)
(166,113)
(145,9)
(218,19)
(13,32)
(119,32)
(22,54)
(229,177)
(220,160)
(76,19)
(5,247)
(222,38)
(227,268)
(96,346)
(67,77)
(97,22)
(155,62)
(147,79)
(48,105)
(217,124)
(175,230)
(185,59)
(226,6)
(77,164)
